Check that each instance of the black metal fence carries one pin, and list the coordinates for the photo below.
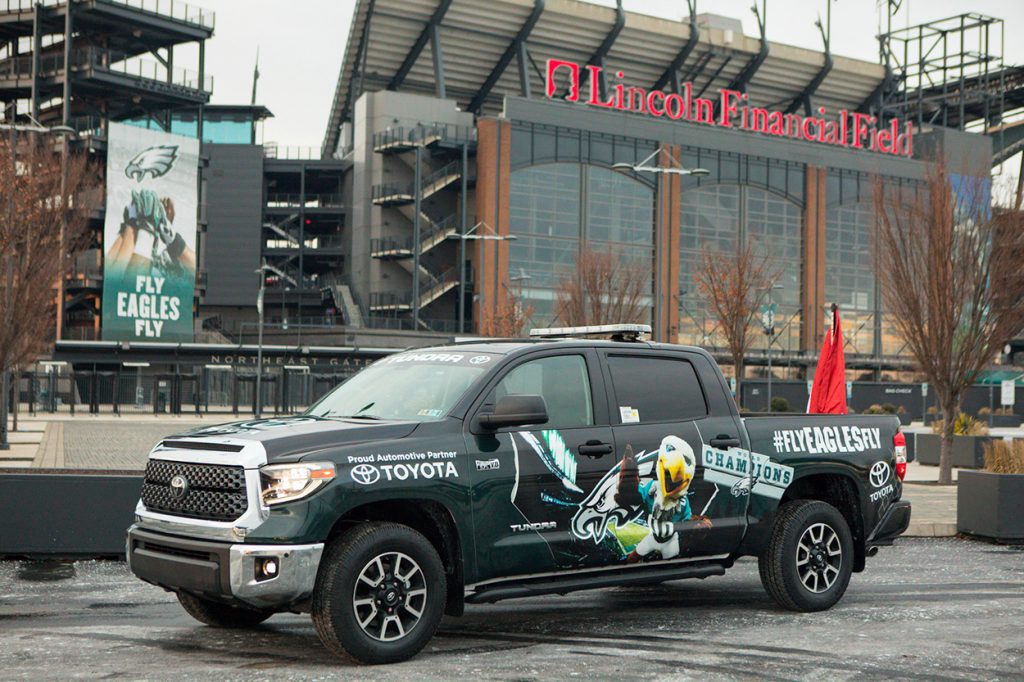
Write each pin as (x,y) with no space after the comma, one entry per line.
(205,391)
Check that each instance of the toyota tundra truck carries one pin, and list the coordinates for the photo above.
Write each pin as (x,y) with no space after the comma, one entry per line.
(488,470)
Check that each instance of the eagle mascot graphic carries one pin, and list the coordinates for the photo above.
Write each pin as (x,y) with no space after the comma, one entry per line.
(646,493)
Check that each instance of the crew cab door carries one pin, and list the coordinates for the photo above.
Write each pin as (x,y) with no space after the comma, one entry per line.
(528,481)
(669,415)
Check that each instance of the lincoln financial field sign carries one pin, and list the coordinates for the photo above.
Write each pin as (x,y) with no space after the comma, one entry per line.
(728,110)
(149,237)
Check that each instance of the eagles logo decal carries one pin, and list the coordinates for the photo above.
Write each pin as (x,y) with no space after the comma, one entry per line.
(154,161)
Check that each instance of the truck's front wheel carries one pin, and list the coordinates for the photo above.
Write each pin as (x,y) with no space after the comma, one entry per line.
(221,615)
(808,561)
(380,594)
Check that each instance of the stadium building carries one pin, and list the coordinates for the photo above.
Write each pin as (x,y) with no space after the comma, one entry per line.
(474,147)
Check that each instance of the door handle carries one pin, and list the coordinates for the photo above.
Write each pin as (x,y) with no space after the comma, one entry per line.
(595,448)
(722,441)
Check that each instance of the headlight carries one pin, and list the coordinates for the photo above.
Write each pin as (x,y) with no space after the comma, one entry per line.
(287,482)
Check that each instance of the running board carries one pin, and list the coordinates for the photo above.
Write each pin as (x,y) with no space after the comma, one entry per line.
(573,583)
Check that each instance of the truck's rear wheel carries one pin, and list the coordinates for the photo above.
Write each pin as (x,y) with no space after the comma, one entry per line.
(380,594)
(221,615)
(809,559)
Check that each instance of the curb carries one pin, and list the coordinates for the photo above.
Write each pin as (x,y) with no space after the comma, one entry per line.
(930,529)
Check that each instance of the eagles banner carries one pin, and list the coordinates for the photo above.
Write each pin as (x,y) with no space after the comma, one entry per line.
(149,237)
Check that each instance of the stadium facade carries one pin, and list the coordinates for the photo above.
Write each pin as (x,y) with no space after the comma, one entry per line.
(459,119)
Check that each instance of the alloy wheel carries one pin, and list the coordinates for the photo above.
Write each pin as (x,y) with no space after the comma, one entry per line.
(389,596)
(819,556)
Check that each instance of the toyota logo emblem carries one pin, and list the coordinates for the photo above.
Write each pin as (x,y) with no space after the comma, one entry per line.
(365,474)
(179,486)
(879,474)
(479,359)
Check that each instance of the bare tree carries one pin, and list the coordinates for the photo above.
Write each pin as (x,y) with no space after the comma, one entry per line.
(604,289)
(734,284)
(510,316)
(43,214)
(949,270)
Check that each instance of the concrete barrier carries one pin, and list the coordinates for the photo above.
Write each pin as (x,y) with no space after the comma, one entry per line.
(66,513)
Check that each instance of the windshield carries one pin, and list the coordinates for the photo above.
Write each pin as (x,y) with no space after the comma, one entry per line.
(413,386)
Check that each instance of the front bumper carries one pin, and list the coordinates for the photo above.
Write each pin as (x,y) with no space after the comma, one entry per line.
(222,571)
(894,523)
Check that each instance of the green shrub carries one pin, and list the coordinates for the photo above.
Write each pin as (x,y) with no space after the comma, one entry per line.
(963,425)
(779,404)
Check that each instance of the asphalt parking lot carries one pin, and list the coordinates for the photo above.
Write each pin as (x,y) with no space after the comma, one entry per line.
(926,609)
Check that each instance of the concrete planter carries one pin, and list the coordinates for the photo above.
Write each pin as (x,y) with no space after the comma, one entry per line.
(66,513)
(990,505)
(1010,421)
(968,451)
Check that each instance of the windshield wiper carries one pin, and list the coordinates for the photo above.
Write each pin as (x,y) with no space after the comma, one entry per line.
(371,417)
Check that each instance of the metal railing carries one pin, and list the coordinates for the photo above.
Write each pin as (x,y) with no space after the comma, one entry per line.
(404,244)
(391,245)
(271,150)
(398,191)
(221,390)
(406,137)
(169,9)
(441,173)
(443,326)
(326,241)
(404,192)
(309,200)
(385,299)
(113,62)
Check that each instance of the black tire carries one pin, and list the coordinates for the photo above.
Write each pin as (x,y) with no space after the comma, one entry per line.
(798,579)
(220,615)
(340,597)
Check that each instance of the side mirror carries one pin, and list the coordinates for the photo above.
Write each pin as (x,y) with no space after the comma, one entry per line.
(516,410)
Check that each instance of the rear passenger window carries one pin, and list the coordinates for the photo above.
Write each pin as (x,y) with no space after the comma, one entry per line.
(650,389)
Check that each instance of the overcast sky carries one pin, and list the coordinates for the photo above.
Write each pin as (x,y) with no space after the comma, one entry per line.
(301,43)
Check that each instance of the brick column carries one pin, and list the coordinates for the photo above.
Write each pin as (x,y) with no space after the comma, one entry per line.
(813,284)
(490,257)
(666,248)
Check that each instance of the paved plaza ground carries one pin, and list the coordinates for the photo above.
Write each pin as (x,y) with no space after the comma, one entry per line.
(926,609)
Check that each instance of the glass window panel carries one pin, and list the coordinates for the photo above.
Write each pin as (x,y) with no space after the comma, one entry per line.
(678,398)
(849,272)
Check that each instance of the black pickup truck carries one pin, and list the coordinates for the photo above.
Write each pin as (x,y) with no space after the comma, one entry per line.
(487,470)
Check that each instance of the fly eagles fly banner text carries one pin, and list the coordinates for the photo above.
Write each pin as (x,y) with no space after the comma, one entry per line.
(149,237)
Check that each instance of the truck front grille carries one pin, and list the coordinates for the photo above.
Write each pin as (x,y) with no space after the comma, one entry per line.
(211,491)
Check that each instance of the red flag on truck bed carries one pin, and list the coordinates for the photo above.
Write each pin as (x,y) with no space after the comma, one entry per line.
(828,394)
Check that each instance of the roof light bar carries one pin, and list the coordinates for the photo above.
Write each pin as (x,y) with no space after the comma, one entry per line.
(625,332)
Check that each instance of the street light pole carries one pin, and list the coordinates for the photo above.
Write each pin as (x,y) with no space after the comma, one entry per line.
(263,270)
(768,322)
(464,237)
(259,342)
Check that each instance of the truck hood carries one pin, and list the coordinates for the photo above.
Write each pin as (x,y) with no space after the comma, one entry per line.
(288,438)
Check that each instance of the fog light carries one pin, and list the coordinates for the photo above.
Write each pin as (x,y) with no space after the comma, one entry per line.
(266,568)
